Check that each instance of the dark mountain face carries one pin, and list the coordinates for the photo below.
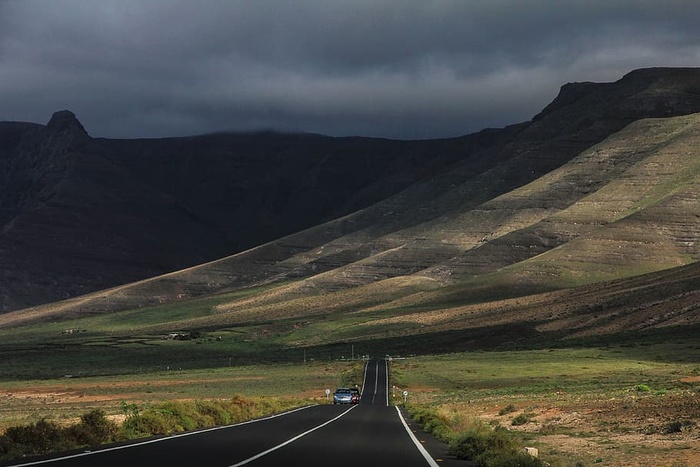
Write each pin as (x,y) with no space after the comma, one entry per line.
(79,214)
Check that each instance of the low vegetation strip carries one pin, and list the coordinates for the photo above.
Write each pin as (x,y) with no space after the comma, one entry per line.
(475,440)
(95,427)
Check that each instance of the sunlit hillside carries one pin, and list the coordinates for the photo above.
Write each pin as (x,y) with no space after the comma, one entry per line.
(540,257)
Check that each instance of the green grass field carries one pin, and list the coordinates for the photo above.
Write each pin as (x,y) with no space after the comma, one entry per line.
(636,404)
(544,373)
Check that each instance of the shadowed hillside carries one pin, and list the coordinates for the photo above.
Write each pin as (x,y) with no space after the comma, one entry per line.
(80,214)
(604,242)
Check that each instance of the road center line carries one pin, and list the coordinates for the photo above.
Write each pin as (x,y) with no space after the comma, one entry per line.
(376,380)
(258,456)
(429,459)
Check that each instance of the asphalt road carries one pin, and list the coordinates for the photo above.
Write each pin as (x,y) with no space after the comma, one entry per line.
(370,433)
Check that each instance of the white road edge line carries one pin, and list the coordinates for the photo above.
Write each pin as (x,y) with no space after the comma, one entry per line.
(158,440)
(429,459)
(291,440)
(376,380)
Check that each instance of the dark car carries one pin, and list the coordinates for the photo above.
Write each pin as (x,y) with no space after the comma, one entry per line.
(345,396)
(355,395)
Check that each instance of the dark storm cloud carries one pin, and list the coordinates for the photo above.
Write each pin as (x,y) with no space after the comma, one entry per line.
(392,68)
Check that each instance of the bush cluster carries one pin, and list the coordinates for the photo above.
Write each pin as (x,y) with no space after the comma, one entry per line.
(479,443)
(522,419)
(177,416)
(94,428)
(432,422)
(44,436)
(492,448)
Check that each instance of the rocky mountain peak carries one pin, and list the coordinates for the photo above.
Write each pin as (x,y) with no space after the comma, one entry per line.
(65,120)
(642,93)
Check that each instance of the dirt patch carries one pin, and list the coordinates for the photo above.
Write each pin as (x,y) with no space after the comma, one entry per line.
(659,430)
(84,392)
(48,397)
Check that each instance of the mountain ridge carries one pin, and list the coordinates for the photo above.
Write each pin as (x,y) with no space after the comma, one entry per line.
(469,172)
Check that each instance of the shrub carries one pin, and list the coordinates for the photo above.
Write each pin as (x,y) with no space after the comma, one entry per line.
(492,448)
(93,429)
(213,412)
(507,409)
(130,410)
(238,409)
(431,421)
(677,426)
(521,419)
(469,445)
(508,459)
(475,443)
(149,423)
(183,415)
(37,438)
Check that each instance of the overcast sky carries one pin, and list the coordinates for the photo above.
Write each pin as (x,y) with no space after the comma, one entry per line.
(388,68)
